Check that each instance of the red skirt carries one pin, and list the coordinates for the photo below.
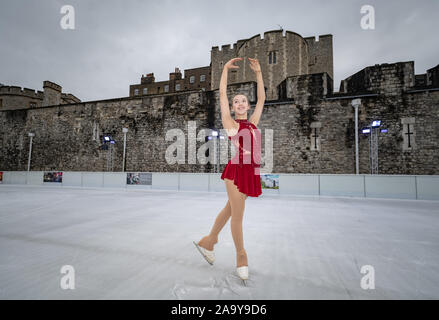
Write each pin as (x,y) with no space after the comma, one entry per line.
(245,176)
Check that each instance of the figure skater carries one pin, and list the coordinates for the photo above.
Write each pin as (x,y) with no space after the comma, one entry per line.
(241,175)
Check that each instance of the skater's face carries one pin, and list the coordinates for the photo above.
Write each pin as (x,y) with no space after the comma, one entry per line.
(240,104)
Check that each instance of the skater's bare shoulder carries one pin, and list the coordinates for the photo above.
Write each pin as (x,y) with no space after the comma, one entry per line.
(231,126)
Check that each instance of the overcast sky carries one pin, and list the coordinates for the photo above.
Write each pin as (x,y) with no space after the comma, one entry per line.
(115,42)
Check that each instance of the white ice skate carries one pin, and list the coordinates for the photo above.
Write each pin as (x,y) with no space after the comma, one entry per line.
(209,255)
(242,272)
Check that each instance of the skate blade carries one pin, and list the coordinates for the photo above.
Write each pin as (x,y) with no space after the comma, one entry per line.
(199,250)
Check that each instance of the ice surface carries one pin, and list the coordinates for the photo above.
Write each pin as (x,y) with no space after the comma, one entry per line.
(131,244)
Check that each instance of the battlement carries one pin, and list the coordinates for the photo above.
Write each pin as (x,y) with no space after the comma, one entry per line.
(52,85)
(25,92)
(224,48)
(307,88)
(323,37)
(228,48)
(382,78)
(433,77)
(69,98)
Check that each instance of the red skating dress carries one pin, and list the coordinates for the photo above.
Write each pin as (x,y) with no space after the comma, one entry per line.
(244,168)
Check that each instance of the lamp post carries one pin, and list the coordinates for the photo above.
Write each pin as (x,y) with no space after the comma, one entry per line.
(216,151)
(107,144)
(124,130)
(31,135)
(356,103)
(373,130)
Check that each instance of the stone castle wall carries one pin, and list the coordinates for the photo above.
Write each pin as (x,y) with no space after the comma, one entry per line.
(313,128)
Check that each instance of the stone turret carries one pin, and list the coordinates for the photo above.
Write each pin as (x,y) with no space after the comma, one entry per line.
(52,93)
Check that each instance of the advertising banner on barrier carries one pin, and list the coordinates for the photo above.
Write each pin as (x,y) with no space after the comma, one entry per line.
(270,181)
(140,178)
(52,176)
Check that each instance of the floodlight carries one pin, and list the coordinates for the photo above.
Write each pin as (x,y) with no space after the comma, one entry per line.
(376,123)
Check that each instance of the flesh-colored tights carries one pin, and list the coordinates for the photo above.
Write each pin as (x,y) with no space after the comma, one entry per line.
(234,208)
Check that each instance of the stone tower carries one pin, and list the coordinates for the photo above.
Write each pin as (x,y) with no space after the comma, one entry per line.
(52,93)
(280,54)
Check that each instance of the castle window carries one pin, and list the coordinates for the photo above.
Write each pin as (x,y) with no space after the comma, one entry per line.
(202,78)
(233,76)
(1,103)
(145,90)
(192,79)
(167,88)
(177,87)
(272,57)
(136,92)
(32,105)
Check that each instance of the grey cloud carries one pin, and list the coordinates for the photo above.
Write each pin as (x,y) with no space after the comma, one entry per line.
(116,41)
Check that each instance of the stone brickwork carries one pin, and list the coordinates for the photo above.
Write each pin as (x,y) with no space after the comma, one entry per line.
(320,54)
(313,127)
(295,55)
(64,135)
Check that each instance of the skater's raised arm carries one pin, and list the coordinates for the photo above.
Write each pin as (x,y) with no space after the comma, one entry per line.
(229,124)
(256,116)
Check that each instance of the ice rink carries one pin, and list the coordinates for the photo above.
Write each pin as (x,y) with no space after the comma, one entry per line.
(131,244)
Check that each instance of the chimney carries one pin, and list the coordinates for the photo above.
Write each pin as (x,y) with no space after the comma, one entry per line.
(148,79)
(176,75)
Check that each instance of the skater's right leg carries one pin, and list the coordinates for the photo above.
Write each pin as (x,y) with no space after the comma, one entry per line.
(208,242)
(237,202)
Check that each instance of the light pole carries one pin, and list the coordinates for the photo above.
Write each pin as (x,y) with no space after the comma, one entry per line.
(31,135)
(109,148)
(356,103)
(216,151)
(373,130)
(124,130)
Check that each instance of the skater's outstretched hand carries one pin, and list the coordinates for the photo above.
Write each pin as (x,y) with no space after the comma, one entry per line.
(254,65)
(230,63)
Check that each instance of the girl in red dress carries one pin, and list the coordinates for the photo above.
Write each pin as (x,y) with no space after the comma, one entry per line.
(242,173)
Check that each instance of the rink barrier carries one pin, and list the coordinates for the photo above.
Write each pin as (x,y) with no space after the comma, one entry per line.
(420,187)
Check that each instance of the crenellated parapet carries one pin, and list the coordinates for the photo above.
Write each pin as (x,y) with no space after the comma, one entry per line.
(18,91)
(385,78)
(14,97)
